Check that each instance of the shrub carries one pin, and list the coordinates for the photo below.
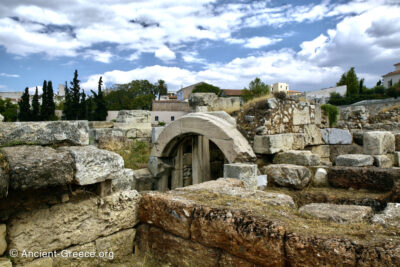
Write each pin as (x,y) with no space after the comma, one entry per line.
(332,112)
(280,95)
(206,88)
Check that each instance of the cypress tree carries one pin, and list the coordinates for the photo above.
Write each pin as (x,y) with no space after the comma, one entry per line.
(89,104)
(43,110)
(343,80)
(24,107)
(83,110)
(51,106)
(75,96)
(67,103)
(101,112)
(352,82)
(35,106)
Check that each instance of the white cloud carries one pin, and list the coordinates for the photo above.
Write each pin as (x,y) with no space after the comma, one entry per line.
(9,75)
(100,56)
(257,42)
(165,54)
(193,57)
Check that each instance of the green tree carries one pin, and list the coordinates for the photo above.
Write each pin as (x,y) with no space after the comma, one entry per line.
(361,86)
(35,106)
(82,115)
(67,104)
(161,88)
(75,97)
(90,111)
(332,112)
(206,88)
(343,80)
(48,105)
(43,110)
(256,88)
(24,107)
(352,82)
(8,110)
(137,94)
(100,113)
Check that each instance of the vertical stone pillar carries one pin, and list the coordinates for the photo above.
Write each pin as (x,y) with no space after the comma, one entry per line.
(200,159)
(177,172)
(162,183)
(242,171)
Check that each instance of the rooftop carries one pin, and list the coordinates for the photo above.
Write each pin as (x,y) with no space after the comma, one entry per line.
(392,73)
(232,92)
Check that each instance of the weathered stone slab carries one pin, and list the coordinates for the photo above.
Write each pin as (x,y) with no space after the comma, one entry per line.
(396,158)
(41,262)
(5,262)
(338,213)
(301,115)
(378,143)
(271,144)
(371,178)
(228,260)
(242,171)
(383,161)
(323,151)
(170,249)
(155,132)
(101,124)
(397,141)
(3,242)
(288,175)
(334,136)
(44,133)
(355,160)
(124,180)
(33,167)
(94,165)
(133,116)
(337,150)
(144,180)
(110,133)
(120,243)
(63,225)
(320,177)
(390,215)
(297,157)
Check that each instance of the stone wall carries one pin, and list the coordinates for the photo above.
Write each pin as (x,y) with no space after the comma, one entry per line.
(61,197)
(205,102)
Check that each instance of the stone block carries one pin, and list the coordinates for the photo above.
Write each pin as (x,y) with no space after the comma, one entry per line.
(5,262)
(94,165)
(63,225)
(3,242)
(108,133)
(396,157)
(133,116)
(124,180)
(271,144)
(297,157)
(320,178)
(288,175)
(144,180)
(101,124)
(41,262)
(338,213)
(242,171)
(390,216)
(312,134)
(155,132)
(354,160)
(336,150)
(378,143)
(383,161)
(44,133)
(323,151)
(301,115)
(334,136)
(120,243)
(4,182)
(371,178)
(397,141)
(34,167)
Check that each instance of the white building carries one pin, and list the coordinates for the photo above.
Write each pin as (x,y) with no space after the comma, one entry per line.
(280,87)
(392,77)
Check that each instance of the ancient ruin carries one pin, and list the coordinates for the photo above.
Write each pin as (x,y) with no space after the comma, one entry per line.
(269,185)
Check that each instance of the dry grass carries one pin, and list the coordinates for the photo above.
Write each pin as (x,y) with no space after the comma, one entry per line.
(253,101)
(390,108)
(136,155)
(232,110)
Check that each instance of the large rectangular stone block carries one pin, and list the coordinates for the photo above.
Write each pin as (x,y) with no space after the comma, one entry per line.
(72,223)
(242,171)
(378,143)
(271,144)
(44,133)
(334,136)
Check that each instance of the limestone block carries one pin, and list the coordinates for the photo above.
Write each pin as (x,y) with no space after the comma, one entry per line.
(288,175)
(320,178)
(77,260)
(94,165)
(334,136)
(5,262)
(301,115)
(202,99)
(396,159)
(66,224)
(33,167)
(318,115)
(155,132)
(355,160)
(323,151)
(271,144)
(101,124)
(297,157)
(144,180)
(383,161)
(371,178)
(133,116)
(242,171)
(201,109)
(3,242)
(337,150)
(313,135)
(108,133)
(123,180)
(120,243)
(44,133)
(378,143)
(390,216)
(338,213)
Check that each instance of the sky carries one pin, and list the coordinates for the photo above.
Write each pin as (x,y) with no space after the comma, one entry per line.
(305,43)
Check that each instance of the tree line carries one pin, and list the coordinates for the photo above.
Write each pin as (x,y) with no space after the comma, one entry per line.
(357,91)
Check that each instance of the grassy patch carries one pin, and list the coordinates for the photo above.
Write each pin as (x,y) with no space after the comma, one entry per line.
(135,155)
(254,101)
